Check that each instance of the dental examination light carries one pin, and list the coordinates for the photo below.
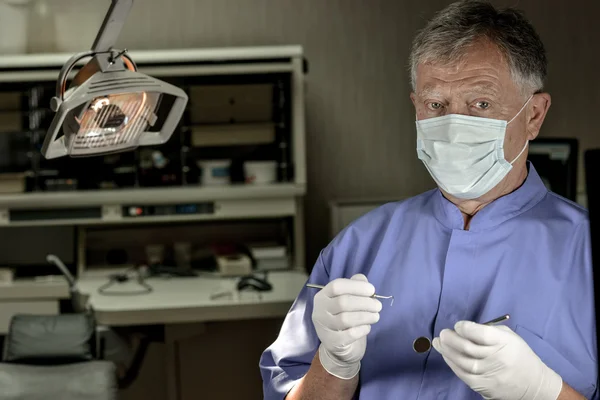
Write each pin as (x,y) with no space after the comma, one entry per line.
(109,106)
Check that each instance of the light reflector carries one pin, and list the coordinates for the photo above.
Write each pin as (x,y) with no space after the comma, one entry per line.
(113,121)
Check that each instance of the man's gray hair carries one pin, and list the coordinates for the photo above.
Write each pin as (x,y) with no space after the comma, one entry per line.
(447,37)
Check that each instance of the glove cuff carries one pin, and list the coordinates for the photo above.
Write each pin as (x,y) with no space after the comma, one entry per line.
(342,371)
(550,385)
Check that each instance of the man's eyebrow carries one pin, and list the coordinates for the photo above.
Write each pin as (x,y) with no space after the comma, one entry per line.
(430,90)
(483,88)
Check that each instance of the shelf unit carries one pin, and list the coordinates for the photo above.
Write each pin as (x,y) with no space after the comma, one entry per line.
(87,203)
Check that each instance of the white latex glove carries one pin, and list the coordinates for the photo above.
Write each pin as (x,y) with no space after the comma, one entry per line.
(497,363)
(343,312)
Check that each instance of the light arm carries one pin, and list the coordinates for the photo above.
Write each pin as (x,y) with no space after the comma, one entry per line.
(112,25)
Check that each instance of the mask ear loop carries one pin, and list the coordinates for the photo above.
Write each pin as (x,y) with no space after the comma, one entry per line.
(513,118)
(521,110)
(519,155)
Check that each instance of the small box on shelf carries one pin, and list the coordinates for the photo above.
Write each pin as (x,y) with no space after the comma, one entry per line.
(269,256)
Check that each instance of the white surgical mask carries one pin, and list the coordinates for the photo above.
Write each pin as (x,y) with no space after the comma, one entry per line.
(464,154)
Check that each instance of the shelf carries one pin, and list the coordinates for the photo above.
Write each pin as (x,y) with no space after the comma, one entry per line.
(46,60)
(113,215)
(161,63)
(148,196)
(106,207)
(53,287)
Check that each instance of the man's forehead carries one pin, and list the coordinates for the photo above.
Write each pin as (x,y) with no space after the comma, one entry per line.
(474,86)
(479,69)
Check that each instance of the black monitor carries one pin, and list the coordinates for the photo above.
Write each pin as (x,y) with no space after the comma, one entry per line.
(592,183)
(555,160)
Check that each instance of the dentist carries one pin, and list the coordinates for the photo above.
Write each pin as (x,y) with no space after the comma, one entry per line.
(490,240)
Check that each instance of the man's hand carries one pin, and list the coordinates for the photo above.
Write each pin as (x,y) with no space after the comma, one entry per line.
(497,363)
(343,313)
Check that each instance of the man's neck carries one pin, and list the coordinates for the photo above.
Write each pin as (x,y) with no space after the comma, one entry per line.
(509,184)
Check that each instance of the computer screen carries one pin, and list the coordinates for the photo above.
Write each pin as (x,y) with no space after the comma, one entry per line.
(592,167)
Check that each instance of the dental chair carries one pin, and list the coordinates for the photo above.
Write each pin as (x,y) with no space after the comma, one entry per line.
(55,357)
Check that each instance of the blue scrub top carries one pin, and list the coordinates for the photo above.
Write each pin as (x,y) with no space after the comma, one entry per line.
(527,254)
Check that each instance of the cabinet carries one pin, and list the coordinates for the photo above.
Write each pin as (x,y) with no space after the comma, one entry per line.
(245,104)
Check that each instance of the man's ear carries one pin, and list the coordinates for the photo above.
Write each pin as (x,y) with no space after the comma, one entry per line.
(540,103)
(413,98)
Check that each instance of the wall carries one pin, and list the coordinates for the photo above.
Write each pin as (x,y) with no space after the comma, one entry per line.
(361,138)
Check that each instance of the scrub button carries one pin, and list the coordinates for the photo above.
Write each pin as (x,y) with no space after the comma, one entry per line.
(422,344)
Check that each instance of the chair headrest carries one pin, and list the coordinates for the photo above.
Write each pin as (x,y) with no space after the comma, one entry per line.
(50,339)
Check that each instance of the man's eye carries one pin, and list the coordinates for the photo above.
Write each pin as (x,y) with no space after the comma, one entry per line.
(483,105)
(435,106)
